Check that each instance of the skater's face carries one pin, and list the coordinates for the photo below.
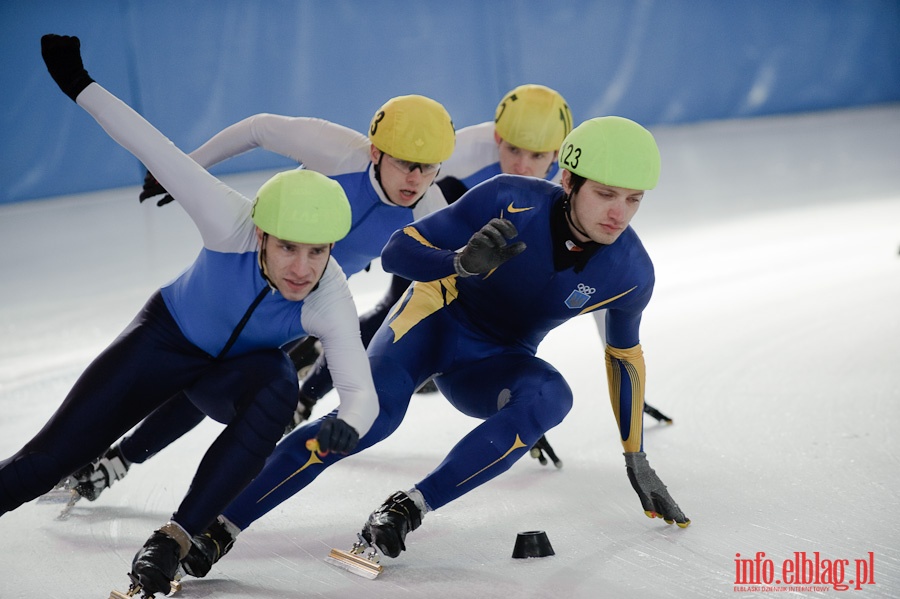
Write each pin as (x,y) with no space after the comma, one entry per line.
(601,211)
(293,268)
(518,161)
(403,182)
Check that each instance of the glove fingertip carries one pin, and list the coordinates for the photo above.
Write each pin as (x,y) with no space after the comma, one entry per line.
(684,524)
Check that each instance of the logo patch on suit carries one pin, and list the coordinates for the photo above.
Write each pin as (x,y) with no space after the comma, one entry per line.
(579,296)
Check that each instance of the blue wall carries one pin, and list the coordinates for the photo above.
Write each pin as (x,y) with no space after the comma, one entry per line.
(193,67)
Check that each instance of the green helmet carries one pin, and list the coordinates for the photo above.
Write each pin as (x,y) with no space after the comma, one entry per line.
(612,150)
(533,117)
(302,206)
(413,128)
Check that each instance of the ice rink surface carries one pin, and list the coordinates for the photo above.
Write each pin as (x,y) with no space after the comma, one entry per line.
(773,340)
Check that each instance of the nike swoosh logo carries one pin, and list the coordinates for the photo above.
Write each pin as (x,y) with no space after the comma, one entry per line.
(512,209)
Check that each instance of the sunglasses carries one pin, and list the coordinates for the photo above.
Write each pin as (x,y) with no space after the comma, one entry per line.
(407,167)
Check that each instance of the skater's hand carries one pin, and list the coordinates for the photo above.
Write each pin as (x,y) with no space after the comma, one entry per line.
(62,55)
(540,448)
(337,436)
(487,249)
(152,187)
(653,494)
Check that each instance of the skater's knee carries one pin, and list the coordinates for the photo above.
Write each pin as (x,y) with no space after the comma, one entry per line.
(262,423)
(546,399)
(557,400)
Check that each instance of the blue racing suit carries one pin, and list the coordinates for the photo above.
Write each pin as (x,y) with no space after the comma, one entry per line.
(213,333)
(325,147)
(478,337)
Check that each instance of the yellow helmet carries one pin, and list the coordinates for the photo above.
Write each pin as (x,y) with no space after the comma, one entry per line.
(534,118)
(413,128)
(302,206)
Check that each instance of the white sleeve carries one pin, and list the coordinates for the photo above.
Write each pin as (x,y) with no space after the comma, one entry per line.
(330,314)
(475,149)
(319,145)
(222,215)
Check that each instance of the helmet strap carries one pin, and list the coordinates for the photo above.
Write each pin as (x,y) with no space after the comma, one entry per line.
(567,206)
(376,166)
(261,259)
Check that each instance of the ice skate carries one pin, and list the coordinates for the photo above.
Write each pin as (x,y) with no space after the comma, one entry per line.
(100,474)
(135,588)
(304,355)
(302,412)
(388,526)
(541,447)
(155,568)
(59,493)
(384,531)
(207,548)
(428,386)
(63,493)
(362,559)
(654,413)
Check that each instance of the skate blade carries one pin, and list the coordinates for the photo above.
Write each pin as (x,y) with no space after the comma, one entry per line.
(133,592)
(355,564)
(58,495)
(66,510)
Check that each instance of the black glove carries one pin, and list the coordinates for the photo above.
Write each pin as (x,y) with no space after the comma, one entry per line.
(152,188)
(652,492)
(487,249)
(337,436)
(540,448)
(62,55)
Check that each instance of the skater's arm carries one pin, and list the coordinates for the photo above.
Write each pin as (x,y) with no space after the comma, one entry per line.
(329,314)
(318,144)
(625,374)
(218,211)
(426,249)
(192,185)
(625,370)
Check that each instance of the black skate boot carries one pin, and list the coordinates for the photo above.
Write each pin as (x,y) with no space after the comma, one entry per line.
(304,408)
(91,480)
(388,526)
(427,387)
(206,549)
(304,355)
(155,565)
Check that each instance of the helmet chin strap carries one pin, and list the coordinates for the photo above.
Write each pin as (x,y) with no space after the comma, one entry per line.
(377,168)
(261,258)
(568,207)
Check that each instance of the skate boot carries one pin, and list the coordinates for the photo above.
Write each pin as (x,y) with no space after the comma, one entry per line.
(91,480)
(427,387)
(305,405)
(155,565)
(388,526)
(207,548)
(304,355)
